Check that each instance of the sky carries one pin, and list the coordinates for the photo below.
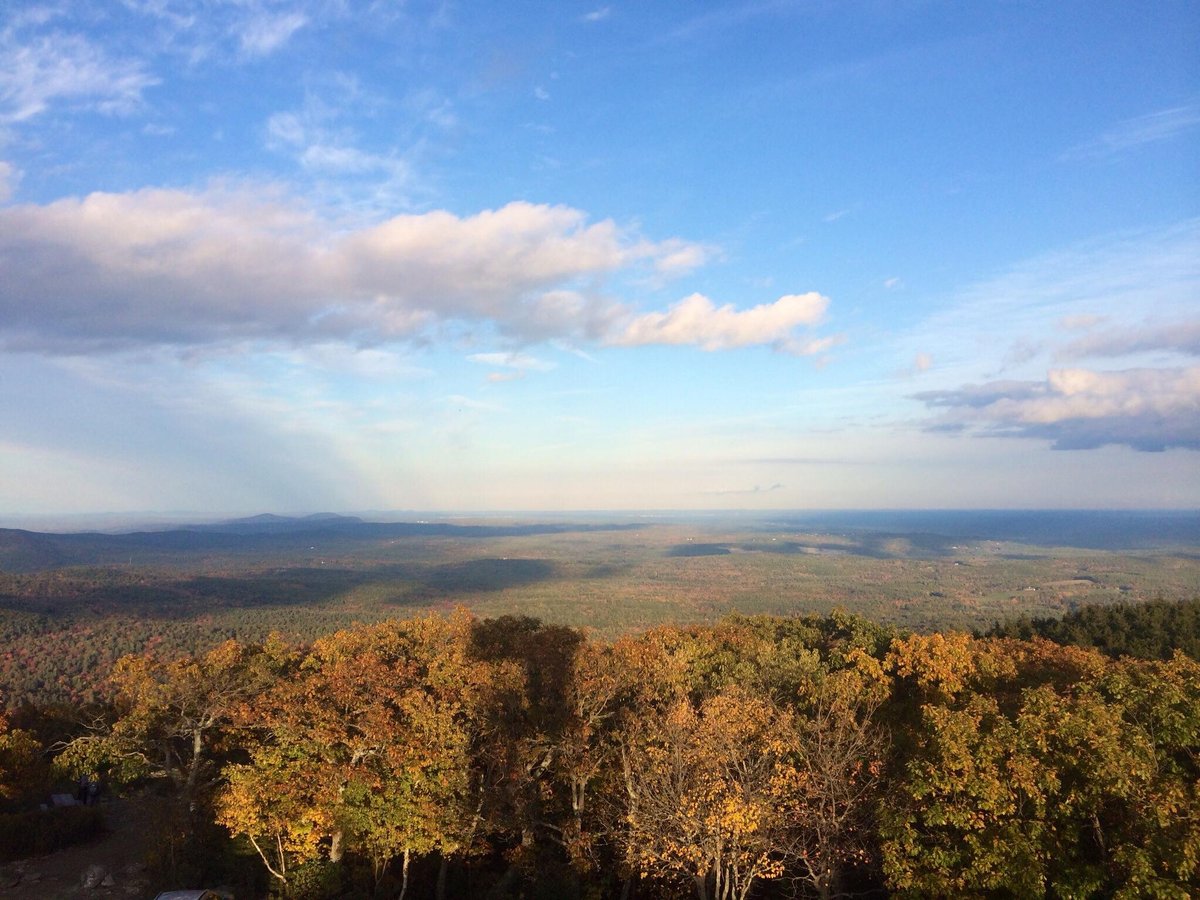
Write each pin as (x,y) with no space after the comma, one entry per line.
(302,255)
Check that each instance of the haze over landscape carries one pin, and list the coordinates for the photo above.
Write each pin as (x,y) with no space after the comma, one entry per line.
(297,256)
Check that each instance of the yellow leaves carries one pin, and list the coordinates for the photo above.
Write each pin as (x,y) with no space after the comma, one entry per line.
(938,661)
(377,721)
(714,787)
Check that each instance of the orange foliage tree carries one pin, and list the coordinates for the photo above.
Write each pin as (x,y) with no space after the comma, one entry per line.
(366,746)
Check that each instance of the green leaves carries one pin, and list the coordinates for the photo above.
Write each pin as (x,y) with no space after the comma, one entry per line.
(1072,786)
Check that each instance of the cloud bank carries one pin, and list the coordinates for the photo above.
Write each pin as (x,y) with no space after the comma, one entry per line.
(173,267)
(1080,409)
(1175,337)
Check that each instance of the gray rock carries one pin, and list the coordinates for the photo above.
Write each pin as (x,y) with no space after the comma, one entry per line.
(94,875)
(108,881)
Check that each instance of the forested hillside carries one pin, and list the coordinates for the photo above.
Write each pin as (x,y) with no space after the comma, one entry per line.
(63,624)
(1152,630)
(448,755)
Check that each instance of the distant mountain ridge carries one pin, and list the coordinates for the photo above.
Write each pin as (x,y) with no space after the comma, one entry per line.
(296,539)
(24,551)
(269,523)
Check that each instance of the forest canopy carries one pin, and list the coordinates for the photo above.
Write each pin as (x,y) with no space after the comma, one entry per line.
(757,757)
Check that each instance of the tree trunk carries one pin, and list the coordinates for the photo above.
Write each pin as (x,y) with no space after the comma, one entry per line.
(440,890)
(194,768)
(335,848)
(404,875)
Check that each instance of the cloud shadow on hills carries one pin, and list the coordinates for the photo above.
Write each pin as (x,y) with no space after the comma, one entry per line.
(870,545)
(118,592)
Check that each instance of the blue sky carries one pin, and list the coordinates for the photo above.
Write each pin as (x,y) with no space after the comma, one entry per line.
(299,256)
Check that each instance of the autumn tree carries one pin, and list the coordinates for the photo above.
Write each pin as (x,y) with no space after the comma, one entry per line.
(836,770)
(23,769)
(707,788)
(366,749)
(527,715)
(1044,770)
(173,717)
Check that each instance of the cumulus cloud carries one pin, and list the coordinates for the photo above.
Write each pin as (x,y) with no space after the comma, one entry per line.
(179,267)
(57,67)
(1081,409)
(696,320)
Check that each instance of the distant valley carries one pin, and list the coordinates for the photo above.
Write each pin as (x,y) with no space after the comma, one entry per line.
(71,603)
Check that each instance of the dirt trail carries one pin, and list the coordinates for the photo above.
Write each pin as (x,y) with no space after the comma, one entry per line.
(121,851)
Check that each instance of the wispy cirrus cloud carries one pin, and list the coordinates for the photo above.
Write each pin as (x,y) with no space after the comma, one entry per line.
(1136,132)
(59,68)
(523,362)
(325,151)
(245,30)
(264,32)
(1043,304)
(757,489)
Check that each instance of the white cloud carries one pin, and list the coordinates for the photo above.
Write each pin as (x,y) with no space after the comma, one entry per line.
(330,155)
(892,283)
(680,257)
(179,267)
(1081,409)
(598,15)
(696,320)
(1027,307)
(521,361)
(1133,133)
(65,68)
(923,362)
(264,33)
(541,93)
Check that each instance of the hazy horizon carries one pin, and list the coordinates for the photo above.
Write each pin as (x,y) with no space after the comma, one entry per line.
(299,256)
(1141,524)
